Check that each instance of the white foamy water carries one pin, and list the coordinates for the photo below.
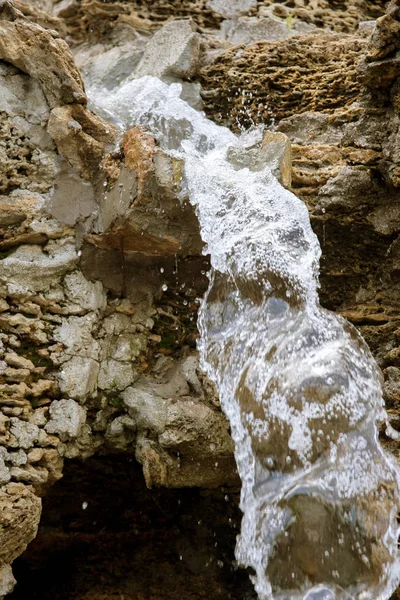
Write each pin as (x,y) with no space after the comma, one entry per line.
(298,384)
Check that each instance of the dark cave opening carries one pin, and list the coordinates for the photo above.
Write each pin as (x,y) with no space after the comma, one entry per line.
(104,535)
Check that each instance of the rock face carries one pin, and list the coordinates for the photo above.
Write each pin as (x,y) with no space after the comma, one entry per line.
(345,160)
(101,263)
(96,356)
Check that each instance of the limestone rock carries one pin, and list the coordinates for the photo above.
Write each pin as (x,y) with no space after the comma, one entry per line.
(115,375)
(147,410)
(4,473)
(26,434)
(17,208)
(87,294)
(234,8)
(130,214)
(67,418)
(273,150)
(173,51)
(30,269)
(72,199)
(104,67)
(42,55)
(75,333)
(78,377)
(248,30)
(40,13)
(380,73)
(262,82)
(19,519)
(7,581)
(80,136)
(385,37)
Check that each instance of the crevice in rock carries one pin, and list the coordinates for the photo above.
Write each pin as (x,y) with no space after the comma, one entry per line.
(104,535)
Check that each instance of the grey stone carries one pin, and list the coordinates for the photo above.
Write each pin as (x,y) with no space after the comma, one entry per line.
(89,295)
(72,198)
(352,187)
(273,151)
(7,580)
(248,30)
(115,202)
(25,433)
(191,94)
(173,51)
(124,348)
(22,95)
(78,377)
(30,269)
(115,375)
(366,28)
(17,459)
(120,432)
(107,67)
(4,472)
(232,8)
(75,333)
(67,419)
(147,409)
(385,219)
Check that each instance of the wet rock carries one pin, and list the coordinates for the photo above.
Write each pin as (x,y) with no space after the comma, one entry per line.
(273,150)
(238,90)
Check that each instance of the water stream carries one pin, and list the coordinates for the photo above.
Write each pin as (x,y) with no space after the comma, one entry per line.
(297,382)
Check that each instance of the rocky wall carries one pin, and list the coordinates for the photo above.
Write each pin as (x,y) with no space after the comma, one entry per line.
(345,160)
(101,264)
(100,273)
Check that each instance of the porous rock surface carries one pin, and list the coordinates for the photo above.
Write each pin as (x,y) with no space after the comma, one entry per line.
(95,356)
(101,261)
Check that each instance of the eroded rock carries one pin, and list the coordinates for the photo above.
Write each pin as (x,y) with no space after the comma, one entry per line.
(119,347)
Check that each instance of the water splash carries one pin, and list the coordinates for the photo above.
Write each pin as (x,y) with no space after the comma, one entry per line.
(298,384)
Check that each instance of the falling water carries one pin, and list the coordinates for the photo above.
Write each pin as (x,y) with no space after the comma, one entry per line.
(297,382)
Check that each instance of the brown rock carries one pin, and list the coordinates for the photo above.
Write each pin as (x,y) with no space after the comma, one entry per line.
(139,149)
(267,80)
(19,519)
(80,136)
(385,37)
(41,54)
